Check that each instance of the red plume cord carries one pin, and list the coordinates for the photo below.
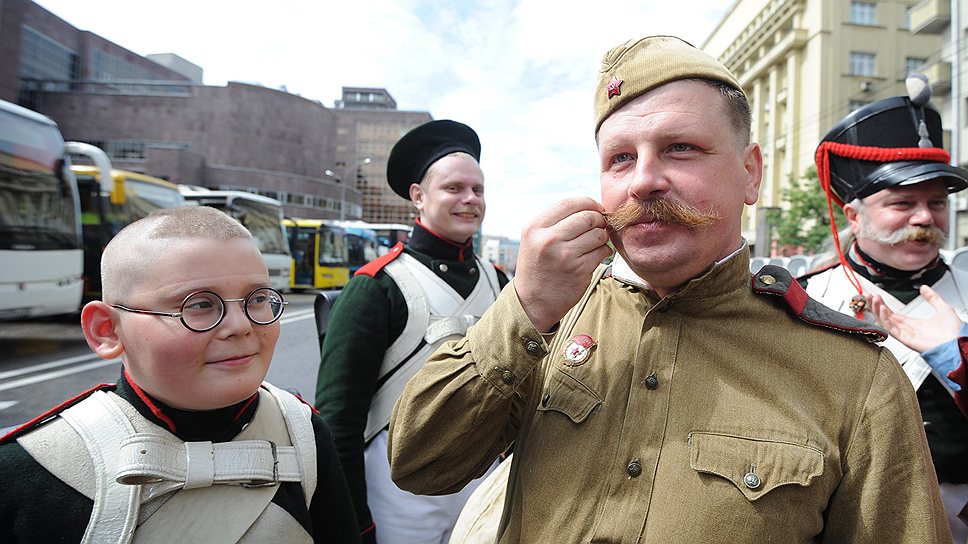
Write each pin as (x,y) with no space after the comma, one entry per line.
(864,153)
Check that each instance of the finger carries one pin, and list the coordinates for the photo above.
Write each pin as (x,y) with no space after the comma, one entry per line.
(580,223)
(563,209)
(933,298)
(884,314)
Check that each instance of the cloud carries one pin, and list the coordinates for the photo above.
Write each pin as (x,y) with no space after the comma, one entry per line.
(521,72)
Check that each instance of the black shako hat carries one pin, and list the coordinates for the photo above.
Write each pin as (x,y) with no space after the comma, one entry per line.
(892,131)
(413,154)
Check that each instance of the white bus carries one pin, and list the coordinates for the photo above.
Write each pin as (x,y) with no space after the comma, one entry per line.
(262,216)
(41,259)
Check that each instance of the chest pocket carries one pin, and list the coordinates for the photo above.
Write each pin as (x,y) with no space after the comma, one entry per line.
(565,394)
(754,466)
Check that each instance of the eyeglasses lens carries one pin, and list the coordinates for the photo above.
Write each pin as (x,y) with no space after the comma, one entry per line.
(264,306)
(202,311)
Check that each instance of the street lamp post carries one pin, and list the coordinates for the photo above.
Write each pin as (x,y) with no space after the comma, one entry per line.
(342,182)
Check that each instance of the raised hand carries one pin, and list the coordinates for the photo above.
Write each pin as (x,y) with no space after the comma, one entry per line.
(560,249)
(920,334)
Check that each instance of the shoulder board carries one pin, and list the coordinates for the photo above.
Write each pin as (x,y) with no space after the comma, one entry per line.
(777,281)
(53,412)
(374,266)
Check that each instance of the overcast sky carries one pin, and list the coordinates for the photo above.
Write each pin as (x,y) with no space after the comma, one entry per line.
(520,72)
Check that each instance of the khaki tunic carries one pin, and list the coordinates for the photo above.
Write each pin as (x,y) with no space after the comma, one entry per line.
(713,414)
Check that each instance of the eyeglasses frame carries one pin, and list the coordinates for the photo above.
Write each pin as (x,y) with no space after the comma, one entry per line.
(181,315)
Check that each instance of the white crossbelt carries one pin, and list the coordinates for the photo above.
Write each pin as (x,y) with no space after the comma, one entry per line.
(151,458)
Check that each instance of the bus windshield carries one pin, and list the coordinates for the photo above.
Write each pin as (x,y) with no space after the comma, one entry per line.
(263,221)
(38,209)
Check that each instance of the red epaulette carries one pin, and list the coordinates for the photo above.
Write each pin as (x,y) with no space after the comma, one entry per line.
(374,266)
(776,280)
(53,412)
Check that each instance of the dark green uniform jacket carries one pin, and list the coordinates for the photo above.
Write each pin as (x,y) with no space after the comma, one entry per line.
(367,318)
(37,507)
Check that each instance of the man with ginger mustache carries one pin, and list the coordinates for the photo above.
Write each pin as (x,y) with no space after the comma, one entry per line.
(885,165)
(393,314)
(670,396)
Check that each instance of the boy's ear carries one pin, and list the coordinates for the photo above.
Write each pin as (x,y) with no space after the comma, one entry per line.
(97,320)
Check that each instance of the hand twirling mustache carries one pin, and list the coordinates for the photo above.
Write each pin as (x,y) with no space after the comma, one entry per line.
(663,209)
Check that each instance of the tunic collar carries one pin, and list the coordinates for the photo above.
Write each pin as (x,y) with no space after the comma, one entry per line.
(430,243)
(723,276)
(219,425)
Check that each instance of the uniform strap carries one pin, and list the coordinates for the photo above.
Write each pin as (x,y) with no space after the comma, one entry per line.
(99,422)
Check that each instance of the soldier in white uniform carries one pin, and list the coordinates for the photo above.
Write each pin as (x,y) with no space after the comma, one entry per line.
(394,313)
(884,163)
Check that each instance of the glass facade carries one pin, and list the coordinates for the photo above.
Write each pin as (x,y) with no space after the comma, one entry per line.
(43,61)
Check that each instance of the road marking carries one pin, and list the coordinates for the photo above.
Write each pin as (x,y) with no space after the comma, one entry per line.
(296,316)
(4,404)
(46,366)
(57,374)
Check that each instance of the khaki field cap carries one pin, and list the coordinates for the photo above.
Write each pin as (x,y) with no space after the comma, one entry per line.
(639,66)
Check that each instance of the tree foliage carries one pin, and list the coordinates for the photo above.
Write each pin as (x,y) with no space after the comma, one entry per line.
(804,222)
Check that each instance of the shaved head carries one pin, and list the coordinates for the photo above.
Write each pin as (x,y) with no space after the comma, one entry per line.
(129,257)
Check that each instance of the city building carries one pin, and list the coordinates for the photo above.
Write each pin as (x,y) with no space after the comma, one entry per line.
(945,18)
(368,126)
(805,64)
(153,115)
(503,252)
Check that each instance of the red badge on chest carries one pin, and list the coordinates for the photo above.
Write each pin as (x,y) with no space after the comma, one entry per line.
(578,349)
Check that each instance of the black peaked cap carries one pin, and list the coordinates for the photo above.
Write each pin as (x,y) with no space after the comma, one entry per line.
(888,123)
(413,154)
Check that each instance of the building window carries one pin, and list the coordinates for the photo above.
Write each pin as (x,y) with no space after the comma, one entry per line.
(45,65)
(863,13)
(862,64)
(912,64)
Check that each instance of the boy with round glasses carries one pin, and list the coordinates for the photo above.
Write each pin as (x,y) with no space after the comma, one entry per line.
(190,445)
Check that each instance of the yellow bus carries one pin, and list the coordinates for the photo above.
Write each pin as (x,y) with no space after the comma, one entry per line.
(319,254)
(106,208)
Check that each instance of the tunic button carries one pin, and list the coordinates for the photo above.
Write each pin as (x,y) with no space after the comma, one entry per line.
(508,377)
(443,268)
(768,280)
(635,468)
(651,381)
(751,480)
(473,271)
(545,399)
(533,347)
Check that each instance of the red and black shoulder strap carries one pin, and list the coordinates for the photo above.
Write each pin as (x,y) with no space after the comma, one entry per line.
(53,412)
(777,281)
(374,266)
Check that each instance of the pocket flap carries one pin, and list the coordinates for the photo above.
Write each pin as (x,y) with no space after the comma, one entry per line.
(563,393)
(755,466)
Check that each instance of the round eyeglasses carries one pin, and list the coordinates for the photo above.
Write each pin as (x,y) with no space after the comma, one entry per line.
(203,310)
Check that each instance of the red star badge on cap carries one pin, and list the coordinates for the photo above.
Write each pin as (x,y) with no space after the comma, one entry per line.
(614,87)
